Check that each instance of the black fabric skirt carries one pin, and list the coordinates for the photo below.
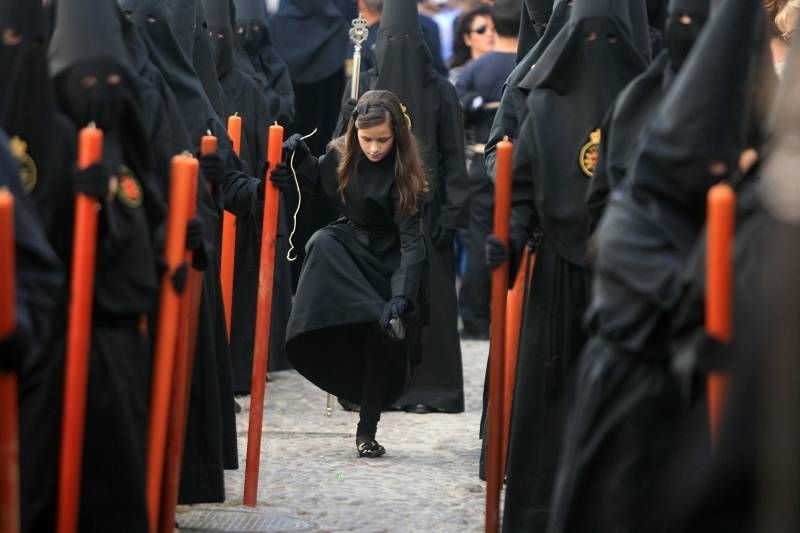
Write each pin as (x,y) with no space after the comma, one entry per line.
(113,473)
(342,291)
(551,340)
(622,435)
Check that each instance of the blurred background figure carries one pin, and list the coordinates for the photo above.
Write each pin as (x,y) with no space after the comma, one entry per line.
(480,87)
(474,37)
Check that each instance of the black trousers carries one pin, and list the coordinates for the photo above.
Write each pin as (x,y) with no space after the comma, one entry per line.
(373,391)
(476,284)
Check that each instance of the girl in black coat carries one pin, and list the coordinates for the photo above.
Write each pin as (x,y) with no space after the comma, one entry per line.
(360,299)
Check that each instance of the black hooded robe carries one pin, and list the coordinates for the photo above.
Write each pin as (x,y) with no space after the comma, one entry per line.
(245,97)
(126,282)
(624,429)
(552,164)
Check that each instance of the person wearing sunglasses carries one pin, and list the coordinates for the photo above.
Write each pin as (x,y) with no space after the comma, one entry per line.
(474,37)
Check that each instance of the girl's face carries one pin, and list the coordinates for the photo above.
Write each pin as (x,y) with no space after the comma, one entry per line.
(480,38)
(376,142)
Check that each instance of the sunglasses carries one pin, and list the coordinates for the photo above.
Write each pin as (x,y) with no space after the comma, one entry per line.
(480,30)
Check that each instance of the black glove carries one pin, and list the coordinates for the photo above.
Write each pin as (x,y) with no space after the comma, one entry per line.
(93,181)
(295,144)
(213,168)
(194,234)
(13,349)
(348,108)
(390,318)
(442,236)
(281,176)
(496,252)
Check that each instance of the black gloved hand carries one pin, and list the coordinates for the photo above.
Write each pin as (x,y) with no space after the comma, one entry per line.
(13,349)
(213,168)
(93,181)
(348,108)
(390,321)
(394,308)
(194,234)
(295,144)
(442,236)
(496,252)
(281,176)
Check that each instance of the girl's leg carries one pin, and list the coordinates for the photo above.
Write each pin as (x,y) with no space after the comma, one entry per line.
(373,395)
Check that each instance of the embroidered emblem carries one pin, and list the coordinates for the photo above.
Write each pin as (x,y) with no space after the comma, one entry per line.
(588,156)
(129,191)
(28,172)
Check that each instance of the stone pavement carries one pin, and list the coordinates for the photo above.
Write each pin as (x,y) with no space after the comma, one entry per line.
(427,481)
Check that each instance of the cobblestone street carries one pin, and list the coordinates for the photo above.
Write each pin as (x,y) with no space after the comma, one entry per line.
(312,480)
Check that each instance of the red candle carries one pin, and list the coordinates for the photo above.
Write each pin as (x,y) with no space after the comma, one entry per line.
(7,269)
(181,203)
(229,233)
(719,289)
(235,132)
(502,217)
(263,319)
(79,330)
(9,431)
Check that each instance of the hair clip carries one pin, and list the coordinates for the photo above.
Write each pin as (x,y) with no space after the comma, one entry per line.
(405,114)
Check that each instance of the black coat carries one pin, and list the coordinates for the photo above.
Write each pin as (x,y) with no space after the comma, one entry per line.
(352,268)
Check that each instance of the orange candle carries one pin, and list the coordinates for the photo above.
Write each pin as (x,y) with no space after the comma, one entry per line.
(79,330)
(514,307)
(184,363)
(181,202)
(719,289)
(9,429)
(208,145)
(263,319)
(229,233)
(494,435)
(7,268)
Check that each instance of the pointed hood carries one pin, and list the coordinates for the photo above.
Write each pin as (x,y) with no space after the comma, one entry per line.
(573,85)
(311,35)
(251,27)
(22,24)
(702,125)
(218,20)
(560,17)
(535,17)
(154,19)
(403,63)
(599,33)
(685,20)
(86,29)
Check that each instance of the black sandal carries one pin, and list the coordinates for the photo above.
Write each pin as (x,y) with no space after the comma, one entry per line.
(369,448)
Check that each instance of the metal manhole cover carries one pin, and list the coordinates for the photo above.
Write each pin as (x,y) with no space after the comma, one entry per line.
(239,521)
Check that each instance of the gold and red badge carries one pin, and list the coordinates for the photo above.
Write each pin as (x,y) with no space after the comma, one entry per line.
(28,172)
(129,190)
(589,153)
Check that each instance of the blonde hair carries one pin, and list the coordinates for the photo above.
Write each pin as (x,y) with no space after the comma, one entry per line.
(786,19)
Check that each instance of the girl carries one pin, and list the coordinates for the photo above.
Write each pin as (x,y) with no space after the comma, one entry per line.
(360,300)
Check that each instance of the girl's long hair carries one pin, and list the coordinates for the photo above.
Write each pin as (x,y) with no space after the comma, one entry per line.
(373,109)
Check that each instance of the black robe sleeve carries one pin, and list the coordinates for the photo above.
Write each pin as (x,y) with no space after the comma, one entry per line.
(406,279)
(506,122)
(524,219)
(452,160)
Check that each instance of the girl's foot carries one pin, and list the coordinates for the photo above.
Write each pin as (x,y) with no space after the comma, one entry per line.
(369,447)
